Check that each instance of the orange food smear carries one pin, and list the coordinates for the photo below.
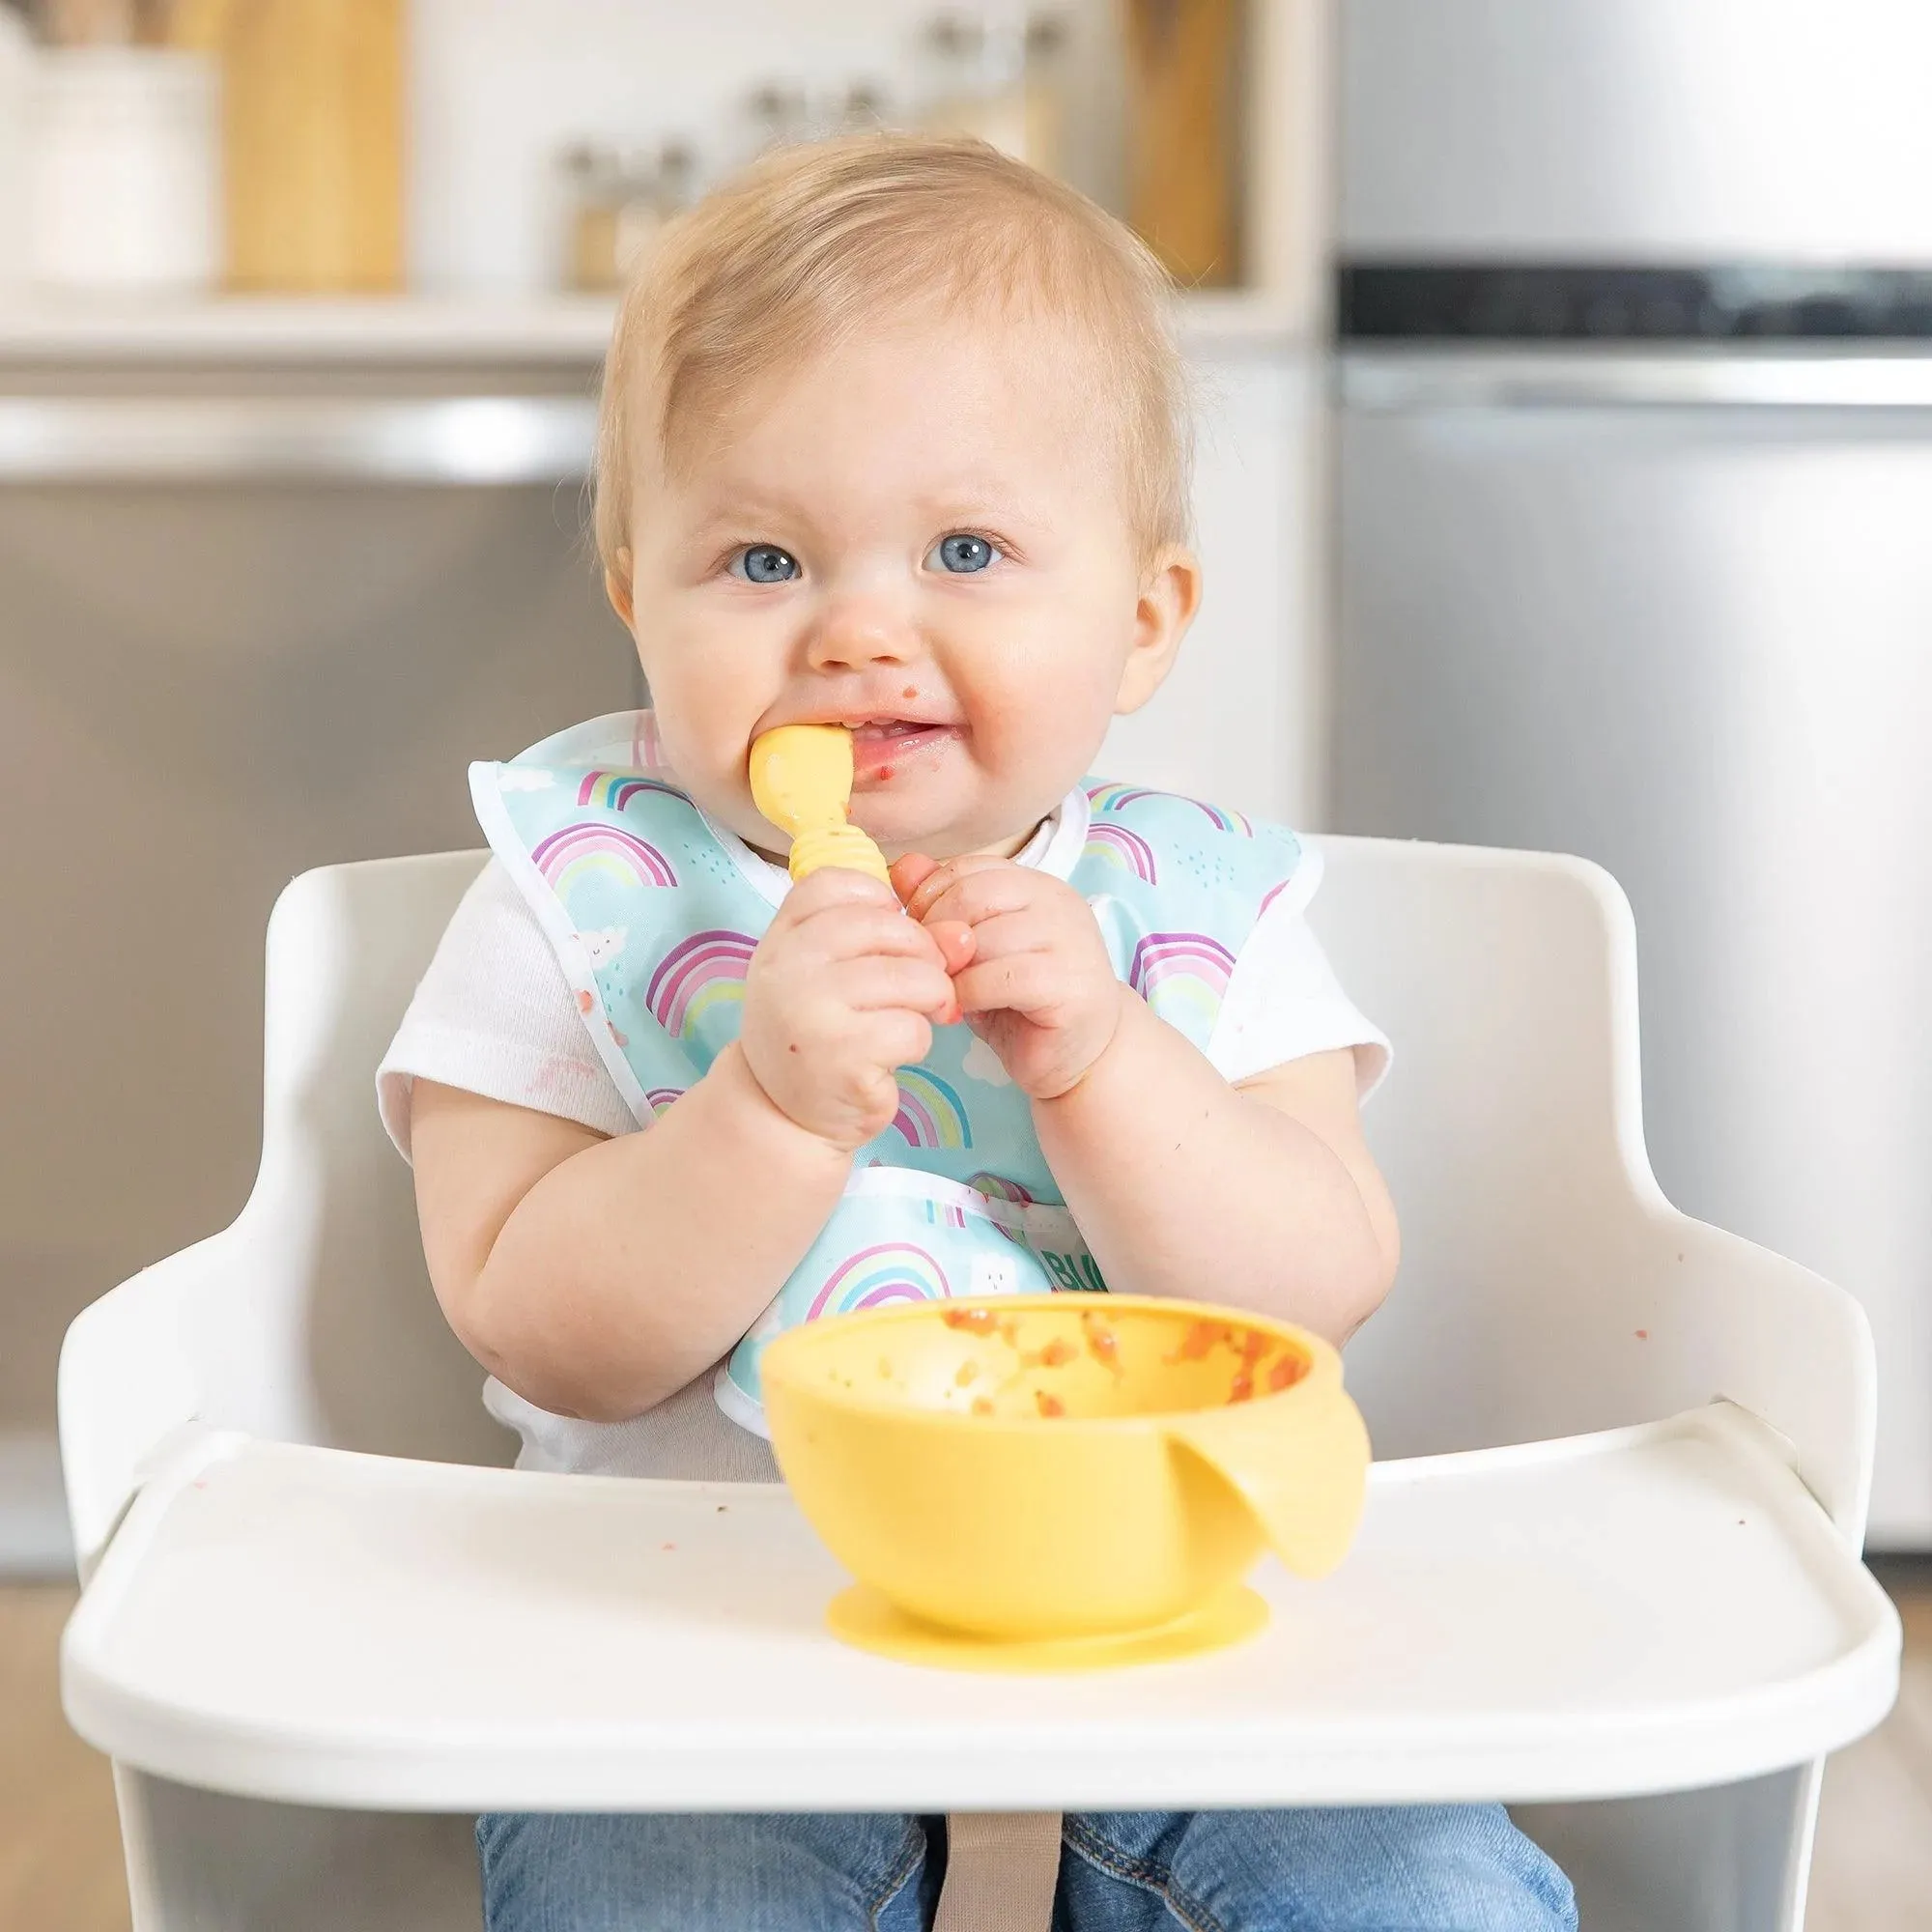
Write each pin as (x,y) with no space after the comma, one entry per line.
(1199,1339)
(982,1406)
(1101,1340)
(1254,1346)
(1241,1387)
(969,1371)
(975,1321)
(1285,1373)
(1048,1404)
(1057,1353)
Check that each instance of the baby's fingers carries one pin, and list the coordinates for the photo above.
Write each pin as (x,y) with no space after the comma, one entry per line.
(922,885)
(829,889)
(957,942)
(913,985)
(894,1037)
(1023,982)
(909,872)
(863,931)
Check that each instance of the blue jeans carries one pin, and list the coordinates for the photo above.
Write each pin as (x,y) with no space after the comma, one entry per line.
(1418,1868)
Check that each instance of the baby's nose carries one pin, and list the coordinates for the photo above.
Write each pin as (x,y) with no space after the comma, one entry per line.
(852,636)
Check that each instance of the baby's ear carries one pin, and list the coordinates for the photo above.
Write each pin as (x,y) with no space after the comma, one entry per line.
(617,586)
(1170,595)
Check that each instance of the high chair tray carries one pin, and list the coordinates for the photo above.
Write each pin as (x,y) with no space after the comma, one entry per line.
(1649,1608)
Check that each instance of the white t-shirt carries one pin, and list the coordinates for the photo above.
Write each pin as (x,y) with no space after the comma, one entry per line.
(494,1016)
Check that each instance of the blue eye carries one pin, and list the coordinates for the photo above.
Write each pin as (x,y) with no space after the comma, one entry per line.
(764,563)
(962,554)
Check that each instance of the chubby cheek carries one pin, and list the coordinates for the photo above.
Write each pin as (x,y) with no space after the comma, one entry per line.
(702,727)
(1046,697)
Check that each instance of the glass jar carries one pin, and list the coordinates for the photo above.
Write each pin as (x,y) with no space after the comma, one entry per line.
(974,78)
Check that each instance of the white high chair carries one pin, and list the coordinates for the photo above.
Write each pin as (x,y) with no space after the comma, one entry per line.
(1610,1552)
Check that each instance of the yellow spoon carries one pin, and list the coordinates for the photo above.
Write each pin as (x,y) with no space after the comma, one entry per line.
(801,782)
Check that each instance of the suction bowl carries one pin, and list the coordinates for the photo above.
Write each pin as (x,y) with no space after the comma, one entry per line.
(1067,1469)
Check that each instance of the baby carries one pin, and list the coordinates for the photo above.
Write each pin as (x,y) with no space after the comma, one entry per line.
(893,437)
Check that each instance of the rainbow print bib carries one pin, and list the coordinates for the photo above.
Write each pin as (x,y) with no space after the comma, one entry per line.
(654,913)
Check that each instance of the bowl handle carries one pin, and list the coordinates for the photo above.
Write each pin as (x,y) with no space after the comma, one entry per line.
(1300,1465)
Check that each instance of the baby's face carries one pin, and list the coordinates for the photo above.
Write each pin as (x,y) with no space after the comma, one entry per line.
(923,537)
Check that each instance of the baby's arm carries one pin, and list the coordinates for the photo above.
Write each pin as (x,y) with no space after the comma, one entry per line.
(1265,1196)
(595,1277)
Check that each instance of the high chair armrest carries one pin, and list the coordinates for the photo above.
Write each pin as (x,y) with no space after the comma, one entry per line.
(129,1379)
(1712,1314)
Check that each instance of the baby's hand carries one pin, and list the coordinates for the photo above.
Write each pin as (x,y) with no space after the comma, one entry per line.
(843,989)
(1038,987)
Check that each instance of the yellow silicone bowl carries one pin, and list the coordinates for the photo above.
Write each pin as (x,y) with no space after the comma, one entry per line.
(1041,1467)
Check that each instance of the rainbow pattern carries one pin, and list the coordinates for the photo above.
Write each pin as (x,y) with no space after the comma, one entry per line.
(876,1276)
(1000,1188)
(1116,797)
(705,972)
(1183,977)
(614,790)
(1270,897)
(647,746)
(579,852)
(1119,846)
(1113,798)
(1164,957)
(659,1098)
(944,1215)
(930,1114)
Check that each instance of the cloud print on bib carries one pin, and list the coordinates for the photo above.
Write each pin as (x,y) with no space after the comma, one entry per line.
(604,946)
(981,1063)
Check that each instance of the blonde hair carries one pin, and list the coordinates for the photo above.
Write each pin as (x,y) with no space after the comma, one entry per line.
(814,243)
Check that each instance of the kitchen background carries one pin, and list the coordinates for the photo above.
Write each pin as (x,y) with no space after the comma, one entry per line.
(307,304)
(1566,469)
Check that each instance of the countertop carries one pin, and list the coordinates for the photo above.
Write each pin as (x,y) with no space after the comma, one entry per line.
(567,331)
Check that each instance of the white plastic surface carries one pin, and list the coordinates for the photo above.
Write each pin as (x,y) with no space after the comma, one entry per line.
(1655,1608)
(1574,1616)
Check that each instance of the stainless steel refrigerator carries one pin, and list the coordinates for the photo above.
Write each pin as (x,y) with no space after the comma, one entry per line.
(1634,559)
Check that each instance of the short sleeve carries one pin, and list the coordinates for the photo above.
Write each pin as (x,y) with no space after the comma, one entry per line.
(1284,1003)
(494,1016)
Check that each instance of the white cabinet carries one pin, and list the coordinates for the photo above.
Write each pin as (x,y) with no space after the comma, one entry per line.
(1239,720)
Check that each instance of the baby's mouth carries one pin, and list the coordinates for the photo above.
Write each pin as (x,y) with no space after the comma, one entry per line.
(882,746)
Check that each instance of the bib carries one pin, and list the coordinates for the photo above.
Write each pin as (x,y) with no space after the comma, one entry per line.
(654,912)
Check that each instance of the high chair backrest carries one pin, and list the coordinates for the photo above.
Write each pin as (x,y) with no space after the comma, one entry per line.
(1509,1126)
(334,1336)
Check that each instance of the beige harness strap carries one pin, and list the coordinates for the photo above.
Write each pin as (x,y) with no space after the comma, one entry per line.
(1001,1869)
